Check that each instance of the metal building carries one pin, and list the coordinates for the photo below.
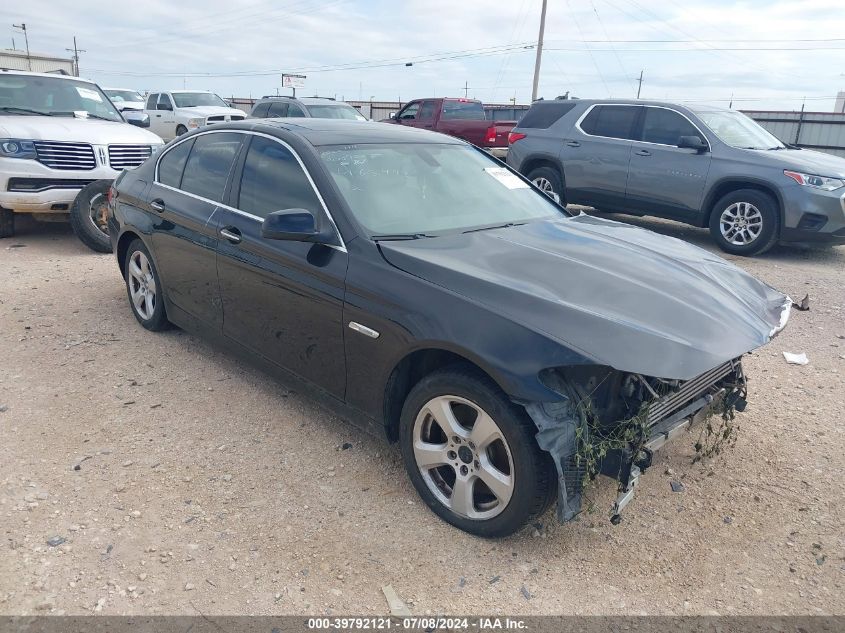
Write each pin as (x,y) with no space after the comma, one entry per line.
(822,131)
(840,103)
(37,63)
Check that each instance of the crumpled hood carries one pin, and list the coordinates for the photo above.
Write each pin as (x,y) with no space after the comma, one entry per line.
(621,295)
(204,111)
(71,129)
(807,161)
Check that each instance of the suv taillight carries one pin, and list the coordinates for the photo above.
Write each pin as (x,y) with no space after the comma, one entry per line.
(513,137)
(490,137)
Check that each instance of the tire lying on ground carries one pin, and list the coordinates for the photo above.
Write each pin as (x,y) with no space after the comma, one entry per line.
(88,216)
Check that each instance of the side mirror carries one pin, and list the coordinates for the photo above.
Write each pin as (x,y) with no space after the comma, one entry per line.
(297,225)
(692,142)
(135,117)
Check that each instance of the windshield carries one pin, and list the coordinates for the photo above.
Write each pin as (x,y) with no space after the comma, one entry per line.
(340,111)
(118,96)
(738,130)
(194,99)
(429,188)
(54,96)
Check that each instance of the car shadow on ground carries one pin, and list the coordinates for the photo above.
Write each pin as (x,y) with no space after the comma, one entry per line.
(701,238)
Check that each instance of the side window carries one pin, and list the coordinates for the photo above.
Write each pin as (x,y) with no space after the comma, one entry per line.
(427,110)
(410,112)
(164,102)
(151,101)
(273,180)
(260,111)
(210,163)
(544,114)
(277,109)
(614,121)
(172,164)
(295,110)
(666,126)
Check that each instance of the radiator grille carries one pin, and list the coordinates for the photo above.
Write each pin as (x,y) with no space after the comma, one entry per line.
(128,156)
(65,156)
(688,392)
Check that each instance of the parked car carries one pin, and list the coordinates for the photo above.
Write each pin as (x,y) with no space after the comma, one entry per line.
(462,118)
(61,144)
(174,113)
(125,99)
(432,295)
(315,107)
(703,165)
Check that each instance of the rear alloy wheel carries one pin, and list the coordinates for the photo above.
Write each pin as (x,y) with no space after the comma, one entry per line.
(471,454)
(89,216)
(144,288)
(547,180)
(745,222)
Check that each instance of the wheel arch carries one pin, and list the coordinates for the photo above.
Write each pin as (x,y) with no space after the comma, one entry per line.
(413,367)
(533,162)
(728,185)
(123,246)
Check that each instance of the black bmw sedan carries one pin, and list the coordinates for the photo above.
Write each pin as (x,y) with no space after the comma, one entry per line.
(425,291)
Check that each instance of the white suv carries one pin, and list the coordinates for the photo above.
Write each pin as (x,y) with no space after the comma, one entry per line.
(62,142)
(174,113)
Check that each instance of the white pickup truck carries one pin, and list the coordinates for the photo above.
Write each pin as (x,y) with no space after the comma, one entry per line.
(174,113)
(62,143)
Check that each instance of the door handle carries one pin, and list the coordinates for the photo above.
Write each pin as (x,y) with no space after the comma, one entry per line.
(157,205)
(232,234)
(573,143)
(158,115)
(643,152)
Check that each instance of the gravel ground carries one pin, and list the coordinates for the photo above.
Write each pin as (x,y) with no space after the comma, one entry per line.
(151,474)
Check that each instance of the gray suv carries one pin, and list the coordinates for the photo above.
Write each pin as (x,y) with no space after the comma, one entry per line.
(315,107)
(706,166)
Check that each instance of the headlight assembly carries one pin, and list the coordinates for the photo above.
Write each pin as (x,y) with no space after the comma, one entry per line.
(16,148)
(819,182)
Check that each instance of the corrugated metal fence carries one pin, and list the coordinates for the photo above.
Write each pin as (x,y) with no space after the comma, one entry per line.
(823,131)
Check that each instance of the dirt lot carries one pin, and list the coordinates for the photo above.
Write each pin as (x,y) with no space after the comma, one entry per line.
(204,486)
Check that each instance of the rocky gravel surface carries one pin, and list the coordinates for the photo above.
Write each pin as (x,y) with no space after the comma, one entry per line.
(150,473)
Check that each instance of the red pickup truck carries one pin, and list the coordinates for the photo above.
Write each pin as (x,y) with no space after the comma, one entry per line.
(464,118)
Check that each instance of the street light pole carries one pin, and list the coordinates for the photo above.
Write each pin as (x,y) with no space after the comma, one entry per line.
(539,52)
(22,27)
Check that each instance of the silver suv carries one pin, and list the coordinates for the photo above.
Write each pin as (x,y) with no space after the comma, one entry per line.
(706,166)
(316,107)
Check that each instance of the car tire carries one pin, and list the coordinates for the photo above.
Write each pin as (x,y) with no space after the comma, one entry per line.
(7,223)
(88,216)
(503,452)
(144,288)
(548,180)
(180,130)
(745,222)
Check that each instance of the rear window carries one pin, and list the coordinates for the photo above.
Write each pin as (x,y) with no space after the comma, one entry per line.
(260,111)
(463,110)
(613,121)
(543,115)
(172,164)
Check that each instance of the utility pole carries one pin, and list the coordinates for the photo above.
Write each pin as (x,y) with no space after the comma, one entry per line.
(539,52)
(22,27)
(75,52)
(466,89)
(640,87)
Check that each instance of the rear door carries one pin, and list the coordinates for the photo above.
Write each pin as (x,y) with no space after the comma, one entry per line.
(192,179)
(596,153)
(282,299)
(664,179)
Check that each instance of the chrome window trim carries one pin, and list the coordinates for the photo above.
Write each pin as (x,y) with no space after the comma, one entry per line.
(638,105)
(257,218)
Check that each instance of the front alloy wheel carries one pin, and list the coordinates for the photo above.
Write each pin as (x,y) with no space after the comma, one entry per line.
(463,457)
(471,453)
(745,222)
(741,223)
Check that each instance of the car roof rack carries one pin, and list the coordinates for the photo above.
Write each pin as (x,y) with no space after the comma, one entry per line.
(278,97)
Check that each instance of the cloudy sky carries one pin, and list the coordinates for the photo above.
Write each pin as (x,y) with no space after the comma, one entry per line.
(767,54)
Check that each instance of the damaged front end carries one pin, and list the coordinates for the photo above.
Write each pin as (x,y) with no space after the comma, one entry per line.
(610,423)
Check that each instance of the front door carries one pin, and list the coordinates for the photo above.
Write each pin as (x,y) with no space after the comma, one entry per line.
(664,179)
(281,299)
